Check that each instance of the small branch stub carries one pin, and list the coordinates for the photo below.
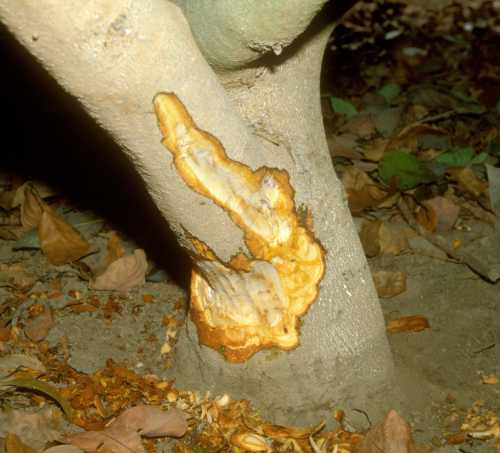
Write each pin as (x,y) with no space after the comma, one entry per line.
(251,302)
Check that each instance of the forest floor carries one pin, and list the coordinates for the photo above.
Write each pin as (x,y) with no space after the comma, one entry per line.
(412,111)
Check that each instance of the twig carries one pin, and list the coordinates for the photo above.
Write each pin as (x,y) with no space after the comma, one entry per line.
(365,414)
(437,117)
(486,348)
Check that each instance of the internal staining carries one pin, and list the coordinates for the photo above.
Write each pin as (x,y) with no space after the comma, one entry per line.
(254,301)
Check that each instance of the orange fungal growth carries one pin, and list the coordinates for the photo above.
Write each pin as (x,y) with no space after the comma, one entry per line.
(251,302)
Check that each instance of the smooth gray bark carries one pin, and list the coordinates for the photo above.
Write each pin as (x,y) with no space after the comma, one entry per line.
(343,343)
(232,33)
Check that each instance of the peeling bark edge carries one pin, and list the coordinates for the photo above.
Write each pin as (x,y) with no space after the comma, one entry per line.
(251,302)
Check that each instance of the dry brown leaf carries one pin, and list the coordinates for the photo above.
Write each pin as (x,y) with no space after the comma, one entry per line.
(5,333)
(378,238)
(15,276)
(15,197)
(389,284)
(109,440)
(406,65)
(344,145)
(374,150)
(489,379)
(6,199)
(13,444)
(35,429)
(152,421)
(390,201)
(339,415)
(32,208)
(415,112)
(361,126)
(13,362)
(10,199)
(446,213)
(123,274)
(365,166)
(82,308)
(473,208)
(393,435)
(278,431)
(59,241)
(490,71)
(486,434)
(63,449)
(38,328)
(362,191)
(392,241)
(250,442)
(456,438)
(426,155)
(408,137)
(414,323)
(355,179)
(468,181)
(115,249)
(13,232)
(124,434)
(427,217)
(369,236)
(481,421)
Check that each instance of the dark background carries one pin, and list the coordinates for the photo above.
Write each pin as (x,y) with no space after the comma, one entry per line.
(47,135)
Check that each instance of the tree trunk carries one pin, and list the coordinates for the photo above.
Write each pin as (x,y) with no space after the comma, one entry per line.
(115,56)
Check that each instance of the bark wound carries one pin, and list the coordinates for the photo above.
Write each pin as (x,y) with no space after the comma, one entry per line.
(251,302)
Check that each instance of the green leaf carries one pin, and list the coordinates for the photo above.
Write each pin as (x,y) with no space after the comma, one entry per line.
(403,169)
(459,94)
(43,387)
(389,91)
(458,157)
(343,107)
(494,147)
(480,158)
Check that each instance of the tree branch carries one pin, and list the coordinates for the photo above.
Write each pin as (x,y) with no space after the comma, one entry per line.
(233,33)
(114,56)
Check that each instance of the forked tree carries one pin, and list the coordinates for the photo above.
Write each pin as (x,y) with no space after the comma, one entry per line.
(283,309)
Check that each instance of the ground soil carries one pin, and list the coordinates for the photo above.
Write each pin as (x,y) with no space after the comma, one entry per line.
(438,370)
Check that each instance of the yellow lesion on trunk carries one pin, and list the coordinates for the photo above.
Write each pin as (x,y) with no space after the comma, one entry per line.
(251,302)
